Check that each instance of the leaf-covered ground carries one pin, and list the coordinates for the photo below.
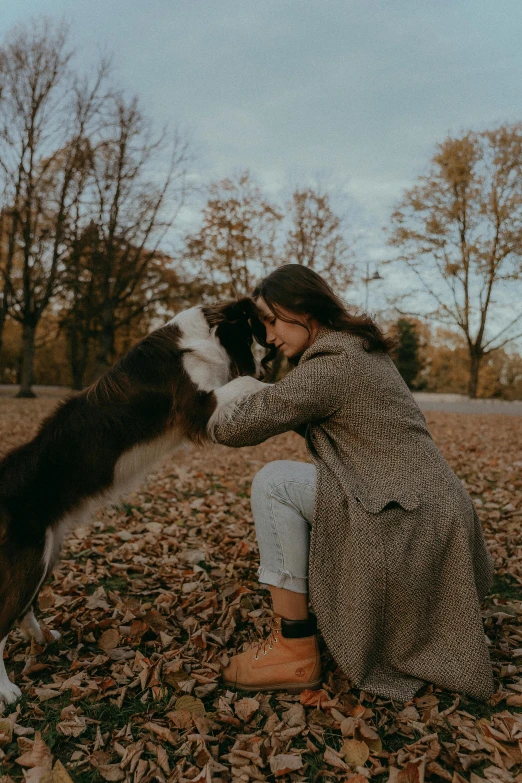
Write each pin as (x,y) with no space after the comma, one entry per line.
(151,597)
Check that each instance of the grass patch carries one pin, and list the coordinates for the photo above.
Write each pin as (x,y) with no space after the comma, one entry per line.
(128,508)
(504,586)
(111,716)
(393,742)
(316,763)
(87,776)
(114,583)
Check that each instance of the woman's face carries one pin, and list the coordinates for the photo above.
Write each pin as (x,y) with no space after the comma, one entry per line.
(291,338)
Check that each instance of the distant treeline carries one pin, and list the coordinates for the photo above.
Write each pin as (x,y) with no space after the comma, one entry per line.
(90,198)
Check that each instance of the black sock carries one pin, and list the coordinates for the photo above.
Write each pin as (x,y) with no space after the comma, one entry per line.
(297,629)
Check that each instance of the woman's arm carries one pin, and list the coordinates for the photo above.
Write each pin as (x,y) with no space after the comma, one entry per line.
(310,392)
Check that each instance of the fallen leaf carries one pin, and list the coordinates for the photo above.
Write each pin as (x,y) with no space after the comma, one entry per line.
(433,768)
(295,716)
(46,598)
(161,731)
(109,640)
(367,735)
(44,694)
(6,732)
(181,719)
(308,697)
(245,708)
(331,757)
(412,772)
(355,752)
(58,775)
(347,727)
(72,727)
(283,763)
(38,756)
(111,772)
(191,704)
(409,713)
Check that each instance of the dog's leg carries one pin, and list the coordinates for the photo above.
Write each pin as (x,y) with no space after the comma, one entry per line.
(29,625)
(9,692)
(23,570)
(30,628)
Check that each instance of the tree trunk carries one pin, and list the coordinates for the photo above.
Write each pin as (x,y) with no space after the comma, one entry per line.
(27,365)
(3,311)
(106,342)
(76,376)
(77,357)
(2,323)
(474,368)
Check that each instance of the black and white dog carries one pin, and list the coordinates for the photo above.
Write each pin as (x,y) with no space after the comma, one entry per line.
(98,444)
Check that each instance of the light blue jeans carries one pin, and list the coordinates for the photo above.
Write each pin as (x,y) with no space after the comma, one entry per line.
(282,499)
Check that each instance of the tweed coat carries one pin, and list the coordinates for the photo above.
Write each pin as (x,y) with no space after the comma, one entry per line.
(398,564)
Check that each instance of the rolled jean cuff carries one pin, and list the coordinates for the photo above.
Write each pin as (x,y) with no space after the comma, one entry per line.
(296,584)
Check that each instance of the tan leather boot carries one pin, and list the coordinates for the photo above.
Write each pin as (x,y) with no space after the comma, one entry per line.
(277,663)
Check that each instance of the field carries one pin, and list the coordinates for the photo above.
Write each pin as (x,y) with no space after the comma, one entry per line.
(154,593)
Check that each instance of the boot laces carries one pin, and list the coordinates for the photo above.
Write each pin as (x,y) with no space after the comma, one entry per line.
(271,639)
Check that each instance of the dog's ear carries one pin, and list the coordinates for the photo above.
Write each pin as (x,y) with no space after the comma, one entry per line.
(240,310)
(229,312)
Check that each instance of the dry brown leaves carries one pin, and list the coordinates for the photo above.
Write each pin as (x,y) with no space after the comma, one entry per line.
(151,597)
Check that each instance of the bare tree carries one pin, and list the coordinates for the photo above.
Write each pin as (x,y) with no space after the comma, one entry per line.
(132,207)
(76,302)
(44,119)
(235,244)
(316,237)
(460,231)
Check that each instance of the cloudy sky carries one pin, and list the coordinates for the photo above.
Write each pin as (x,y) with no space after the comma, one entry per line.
(356,92)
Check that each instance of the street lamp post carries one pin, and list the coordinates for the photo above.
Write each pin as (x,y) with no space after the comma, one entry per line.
(367,280)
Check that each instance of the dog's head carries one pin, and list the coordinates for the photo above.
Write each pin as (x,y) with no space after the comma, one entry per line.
(240,332)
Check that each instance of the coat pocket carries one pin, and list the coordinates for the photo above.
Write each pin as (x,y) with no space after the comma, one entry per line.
(375,502)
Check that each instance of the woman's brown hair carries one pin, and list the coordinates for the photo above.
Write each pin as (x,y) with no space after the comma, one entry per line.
(300,290)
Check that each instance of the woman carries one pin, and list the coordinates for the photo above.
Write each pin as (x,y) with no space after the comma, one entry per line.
(378,532)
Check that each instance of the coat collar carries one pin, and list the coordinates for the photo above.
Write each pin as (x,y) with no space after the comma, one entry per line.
(323,340)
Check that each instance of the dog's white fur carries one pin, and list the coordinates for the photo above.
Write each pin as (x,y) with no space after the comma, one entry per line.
(229,396)
(9,692)
(208,366)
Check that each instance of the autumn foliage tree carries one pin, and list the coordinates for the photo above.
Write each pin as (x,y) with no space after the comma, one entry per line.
(235,244)
(443,363)
(459,230)
(316,237)
(243,235)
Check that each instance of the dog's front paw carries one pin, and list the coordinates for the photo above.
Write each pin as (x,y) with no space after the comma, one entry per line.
(9,692)
(238,388)
(229,396)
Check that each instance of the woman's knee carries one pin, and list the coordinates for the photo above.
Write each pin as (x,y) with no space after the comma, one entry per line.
(266,478)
